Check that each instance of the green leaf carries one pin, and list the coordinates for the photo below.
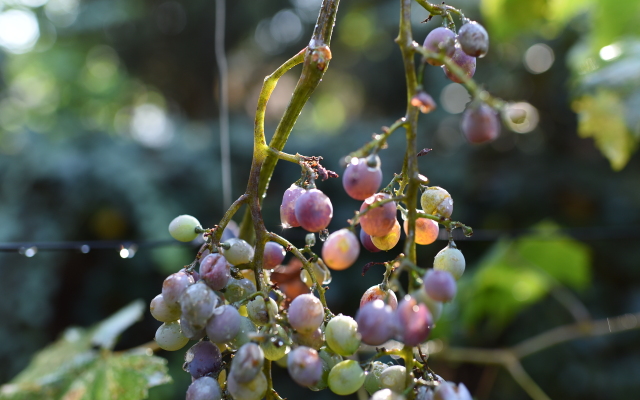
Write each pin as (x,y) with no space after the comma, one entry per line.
(612,20)
(601,116)
(107,331)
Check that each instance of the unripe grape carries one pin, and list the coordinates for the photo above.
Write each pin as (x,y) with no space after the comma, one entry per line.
(440,40)
(247,362)
(247,328)
(320,271)
(329,360)
(287,208)
(190,332)
(238,289)
(466,63)
(313,210)
(273,255)
(274,348)
(388,241)
(473,39)
(434,306)
(306,313)
(365,239)
(380,220)
(314,339)
(346,377)
(183,228)
(437,201)
(375,323)
(169,336)
(204,388)
(257,310)
(450,259)
(215,271)
(376,293)
(197,304)
(360,180)
(239,251)
(427,230)
(305,366)
(203,358)
(449,391)
(387,394)
(480,124)
(174,286)
(372,378)
(162,312)
(253,390)
(342,335)
(394,378)
(341,249)
(440,285)
(413,322)
(224,324)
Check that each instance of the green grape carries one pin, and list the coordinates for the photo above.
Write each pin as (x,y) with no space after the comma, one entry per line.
(394,378)
(320,271)
(239,251)
(246,329)
(346,377)
(450,259)
(437,201)
(169,336)
(388,241)
(270,346)
(329,360)
(386,394)
(183,228)
(252,390)
(372,378)
(341,334)
(257,310)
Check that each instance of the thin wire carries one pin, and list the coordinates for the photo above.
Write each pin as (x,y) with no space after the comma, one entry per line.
(221,61)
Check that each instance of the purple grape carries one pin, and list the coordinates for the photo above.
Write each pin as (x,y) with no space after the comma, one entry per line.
(440,40)
(313,210)
(379,220)
(360,180)
(273,255)
(376,293)
(287,208)
(190,332)
(238,289)
(174,286)
(305,366)
(440,285)
(480,124)
(306,313)
(205,388)
(474,39)
(247,362)
(413,322)
(197,304)
(340,250)
(365,239)
(215,271)
(314,339)
(203,358)
(224,325)
(465,62)
(375,323)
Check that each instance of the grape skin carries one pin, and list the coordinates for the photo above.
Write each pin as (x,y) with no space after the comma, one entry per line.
(161,312)
(440,39)
(372,378)
(329,360)
(473,39)
(440,285)
(197,304)
(375,323)
(449,390)
(320,271)
(434,306)
(388,241)
(427,230)
(247,362)
(224,324)
(190,332)
(215,271)
(271,351)
(365,239)
(346,377)
(203,358)
(313,210)
(465,62)
(246,328)
(480,124)
(305,366)
(239,251)
(437,201)
(174,286)
(380,220)
(340,250)
(450,259)
(306,313)
(376,293)
(169,336)
(393,378)
(287,208)
(253,390)
(387,394)
(204,388)
(360,180)
(314,339)
(412,322)
(257,310)
(342,335)
(183,228)
(273,255)
(238,289)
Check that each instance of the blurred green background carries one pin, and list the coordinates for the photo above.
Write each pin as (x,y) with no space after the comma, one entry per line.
(109,129)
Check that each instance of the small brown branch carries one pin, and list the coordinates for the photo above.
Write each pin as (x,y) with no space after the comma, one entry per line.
(525,381)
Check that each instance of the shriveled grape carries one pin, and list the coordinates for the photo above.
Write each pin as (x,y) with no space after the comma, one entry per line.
(258,310)
(215,271)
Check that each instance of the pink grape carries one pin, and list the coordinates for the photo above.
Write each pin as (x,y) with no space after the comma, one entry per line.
(360,180)
(466,62)
(224,324)
(375,323)
(413,322)
(427,230)
(340,250)
(215,271)
(247,362)
(480,124)
(380,220)
(273,255)
(440,40)
(305,366)
(376,293)
(365,239)
(306,313)
(173,287)
(287,208)
(313,210)
(197,304)
(204,388)
(440,285)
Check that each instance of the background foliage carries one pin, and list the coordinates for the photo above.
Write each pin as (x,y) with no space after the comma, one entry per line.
(108,129)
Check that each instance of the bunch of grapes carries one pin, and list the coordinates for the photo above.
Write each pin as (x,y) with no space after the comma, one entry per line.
(240,319)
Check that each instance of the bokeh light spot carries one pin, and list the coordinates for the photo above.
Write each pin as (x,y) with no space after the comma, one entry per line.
(538,58)
(19,31)
(151,126)
(454,98)
(522,117)
(610,52)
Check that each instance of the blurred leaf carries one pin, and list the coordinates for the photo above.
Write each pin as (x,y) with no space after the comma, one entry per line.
(613,20)
(107,331)
(602,118)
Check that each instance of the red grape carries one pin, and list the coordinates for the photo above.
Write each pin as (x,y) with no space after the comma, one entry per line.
(440,39)
(306,313)
(287,208)
(313,210)
(360,180)
(365,239)
(273,255)
(480,124)
(465,62)
(340,250)
(380,220)
(376,293)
